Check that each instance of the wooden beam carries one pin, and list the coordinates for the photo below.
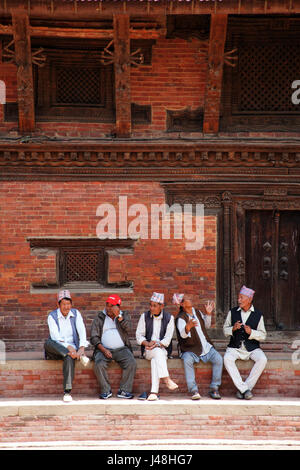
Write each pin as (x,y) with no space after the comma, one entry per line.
(218,30)
(122,75)
(22,44)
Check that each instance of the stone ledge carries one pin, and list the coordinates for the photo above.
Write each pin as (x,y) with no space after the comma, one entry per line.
(34,360)
(166,406)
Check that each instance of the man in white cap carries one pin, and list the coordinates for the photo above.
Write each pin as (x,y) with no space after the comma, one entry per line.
(195,344)
(67,339)
(245,327)
(154,334)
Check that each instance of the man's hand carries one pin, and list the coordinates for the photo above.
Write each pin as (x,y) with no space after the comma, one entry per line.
(210,305)
(80,351)
(237,326)
(150,344)
(116,311)
(105,351)
(72,352)
(248,329)
(191,324)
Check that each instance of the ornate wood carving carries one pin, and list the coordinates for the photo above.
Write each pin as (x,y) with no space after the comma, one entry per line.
(122,75)
(218,30)
(194,159)
(23,59)
(230,203)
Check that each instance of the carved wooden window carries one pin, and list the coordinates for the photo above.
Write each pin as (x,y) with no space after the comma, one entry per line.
(73,85)
(81,263)
(257,93)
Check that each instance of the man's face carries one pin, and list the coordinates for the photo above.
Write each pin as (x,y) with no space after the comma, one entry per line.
(155,308)
(244,302)
(65,306)
(187,304)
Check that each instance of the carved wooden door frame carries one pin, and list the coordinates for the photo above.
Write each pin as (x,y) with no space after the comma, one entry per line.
(230,206)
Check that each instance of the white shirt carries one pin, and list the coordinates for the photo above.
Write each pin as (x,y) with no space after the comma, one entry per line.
(259,335)
(141,330)
(111,338)
(181,323)
(64,334)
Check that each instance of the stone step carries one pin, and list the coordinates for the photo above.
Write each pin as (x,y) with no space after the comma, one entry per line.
(114,420)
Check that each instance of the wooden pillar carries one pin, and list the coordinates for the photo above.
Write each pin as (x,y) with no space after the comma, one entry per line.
(218,30)
(22,44)
(122,74)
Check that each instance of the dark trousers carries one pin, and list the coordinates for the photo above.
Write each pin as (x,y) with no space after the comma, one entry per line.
(57,351)
(125,359)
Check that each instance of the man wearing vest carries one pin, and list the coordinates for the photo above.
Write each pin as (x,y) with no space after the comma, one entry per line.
(245,326)
(67,339)
(110,337)
(154,333)
(195,344)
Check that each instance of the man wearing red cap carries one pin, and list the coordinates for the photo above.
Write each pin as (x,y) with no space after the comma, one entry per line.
(110,337)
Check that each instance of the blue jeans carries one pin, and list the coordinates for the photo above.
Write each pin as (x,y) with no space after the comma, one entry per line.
(189,358)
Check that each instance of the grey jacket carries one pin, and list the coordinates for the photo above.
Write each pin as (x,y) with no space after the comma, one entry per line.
(123,328)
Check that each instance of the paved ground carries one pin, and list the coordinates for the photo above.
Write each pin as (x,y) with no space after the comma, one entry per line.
(168,445)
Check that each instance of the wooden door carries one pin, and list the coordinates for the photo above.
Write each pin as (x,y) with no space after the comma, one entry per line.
(273,265)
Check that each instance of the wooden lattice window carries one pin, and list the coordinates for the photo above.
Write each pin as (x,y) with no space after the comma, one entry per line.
(74,85)
(81,263)
(257,93)
(81,266)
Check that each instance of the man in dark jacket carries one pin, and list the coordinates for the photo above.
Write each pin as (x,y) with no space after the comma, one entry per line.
(110,337)
(245,327)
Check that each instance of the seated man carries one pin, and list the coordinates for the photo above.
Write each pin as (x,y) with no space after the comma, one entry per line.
(195,344)
(154,333)
(110,338)
(67,339)
(245,327)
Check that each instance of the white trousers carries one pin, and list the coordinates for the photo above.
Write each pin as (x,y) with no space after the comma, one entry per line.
(159,368)
(260,361)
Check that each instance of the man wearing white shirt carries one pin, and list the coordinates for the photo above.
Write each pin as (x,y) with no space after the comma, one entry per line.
(196,346)
(67,339)
(154,333)
(245,327)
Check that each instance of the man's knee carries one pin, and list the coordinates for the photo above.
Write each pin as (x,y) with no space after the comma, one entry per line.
(188,359)
(229,359)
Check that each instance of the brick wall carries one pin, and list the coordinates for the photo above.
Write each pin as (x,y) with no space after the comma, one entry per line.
(39,378)
(68,209)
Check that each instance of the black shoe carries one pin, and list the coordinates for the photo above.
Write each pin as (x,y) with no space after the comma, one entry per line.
(143,396)
(248,395)
(239,395)
(214,394)
(122,394)
(105,396)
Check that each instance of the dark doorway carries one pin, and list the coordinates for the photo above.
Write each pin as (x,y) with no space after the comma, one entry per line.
(273,265)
